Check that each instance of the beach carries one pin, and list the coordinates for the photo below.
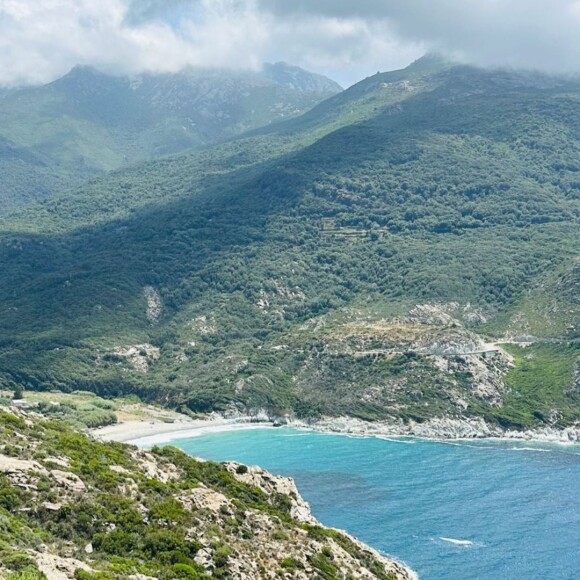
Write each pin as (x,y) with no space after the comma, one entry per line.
(151,432)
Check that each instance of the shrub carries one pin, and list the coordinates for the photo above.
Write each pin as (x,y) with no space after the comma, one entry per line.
(18,561)
(187,571)
(30,573)
(117,543)
(221,556)
(97,418)
(162,541)
(103,404)
(83,575)
(324,566)
(290,563)
(10,496)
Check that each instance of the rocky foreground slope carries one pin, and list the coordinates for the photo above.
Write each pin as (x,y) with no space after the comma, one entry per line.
(72,507)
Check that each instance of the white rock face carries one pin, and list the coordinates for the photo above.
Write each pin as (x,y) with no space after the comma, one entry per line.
(441,428)
(204,498)
(271,484)
(14,466)
(140,356)
(57,568)
(69,480)
(154,304)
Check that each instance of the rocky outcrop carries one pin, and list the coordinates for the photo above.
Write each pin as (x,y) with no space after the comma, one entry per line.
(139,356)
(154,304)
(441,428)
(230,521)
(59,568)
(68,480)
(273,484)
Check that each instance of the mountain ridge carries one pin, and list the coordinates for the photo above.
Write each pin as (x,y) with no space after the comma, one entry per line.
(88,122)
(402,223)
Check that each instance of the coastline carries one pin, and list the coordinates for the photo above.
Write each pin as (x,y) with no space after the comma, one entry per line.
(146,433)
(442,429)
(152,432)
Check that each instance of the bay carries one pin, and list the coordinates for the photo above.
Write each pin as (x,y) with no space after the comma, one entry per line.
(451,510)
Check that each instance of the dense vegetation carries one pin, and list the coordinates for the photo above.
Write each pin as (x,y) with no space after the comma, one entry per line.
(438,184)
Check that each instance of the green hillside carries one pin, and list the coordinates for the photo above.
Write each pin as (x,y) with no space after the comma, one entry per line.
(73,507)
(86,123)
(360,259)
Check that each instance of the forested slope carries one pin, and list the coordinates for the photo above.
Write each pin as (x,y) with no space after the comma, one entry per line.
(366,258)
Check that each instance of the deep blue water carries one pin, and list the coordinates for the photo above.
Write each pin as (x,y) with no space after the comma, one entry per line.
(519,505)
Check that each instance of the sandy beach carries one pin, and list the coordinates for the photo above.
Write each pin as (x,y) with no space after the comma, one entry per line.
(149,433)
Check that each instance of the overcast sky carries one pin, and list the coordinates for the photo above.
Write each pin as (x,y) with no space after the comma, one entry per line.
(348,40)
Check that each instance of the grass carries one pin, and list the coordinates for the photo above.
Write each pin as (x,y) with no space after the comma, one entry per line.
(541,385)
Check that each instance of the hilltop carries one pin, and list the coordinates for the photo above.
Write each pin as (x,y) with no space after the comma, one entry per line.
(406,250)
(86,123)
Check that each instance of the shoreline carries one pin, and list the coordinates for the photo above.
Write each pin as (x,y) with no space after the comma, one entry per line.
(442,430)
(149,433)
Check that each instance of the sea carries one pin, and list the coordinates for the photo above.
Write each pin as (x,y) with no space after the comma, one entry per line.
(450,510)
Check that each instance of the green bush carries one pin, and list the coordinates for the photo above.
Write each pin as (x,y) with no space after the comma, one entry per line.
(325,566)
(81,574)
(30,573)
(187,571)
(18,561)
(290,564)
(221,556)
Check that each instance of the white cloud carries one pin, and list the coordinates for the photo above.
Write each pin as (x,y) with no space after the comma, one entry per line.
(43,39)
(347,39)
(538,34)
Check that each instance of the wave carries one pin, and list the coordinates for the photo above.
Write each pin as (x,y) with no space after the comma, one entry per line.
(534,449)
(385,438)
(461,444)
(456,542)
(296,435)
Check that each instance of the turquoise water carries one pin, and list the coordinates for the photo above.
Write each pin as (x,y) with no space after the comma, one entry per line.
(518,504)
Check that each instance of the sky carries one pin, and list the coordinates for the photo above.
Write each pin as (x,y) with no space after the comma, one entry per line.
(348,40)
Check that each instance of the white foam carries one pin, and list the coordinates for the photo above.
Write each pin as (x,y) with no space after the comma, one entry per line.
(457,542)
(384,438)
(296,435)
(535,449)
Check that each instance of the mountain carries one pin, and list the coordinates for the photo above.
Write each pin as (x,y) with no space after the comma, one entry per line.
(88,122)
(405,250)
(73,507)
(296,78)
